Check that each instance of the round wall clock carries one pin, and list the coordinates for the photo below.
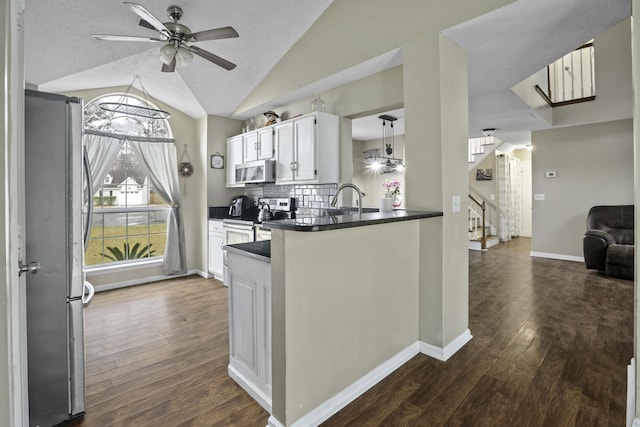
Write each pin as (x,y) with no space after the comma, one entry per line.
(217,161)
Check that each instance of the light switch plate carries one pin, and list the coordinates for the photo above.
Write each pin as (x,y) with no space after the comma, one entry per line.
(456,203)
(492,196)
(538,197)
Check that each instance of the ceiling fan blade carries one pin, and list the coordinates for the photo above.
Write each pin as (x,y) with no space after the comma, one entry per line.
(146,24)
(214,34)
(143,13)
(110,37)
(169,68)
(211,57)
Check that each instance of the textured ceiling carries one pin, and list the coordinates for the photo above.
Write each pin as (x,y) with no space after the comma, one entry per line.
(503,47)
(61,54)
(511,43)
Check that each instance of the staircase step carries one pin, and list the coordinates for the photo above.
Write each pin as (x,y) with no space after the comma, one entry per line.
(476,244)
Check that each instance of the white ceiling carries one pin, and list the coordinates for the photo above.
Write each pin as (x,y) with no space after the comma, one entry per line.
(61,54)
(503,47)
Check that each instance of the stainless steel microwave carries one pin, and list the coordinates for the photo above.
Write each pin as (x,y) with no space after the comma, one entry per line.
(257,171)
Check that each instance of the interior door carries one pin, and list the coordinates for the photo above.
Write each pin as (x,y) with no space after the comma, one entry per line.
(525,173)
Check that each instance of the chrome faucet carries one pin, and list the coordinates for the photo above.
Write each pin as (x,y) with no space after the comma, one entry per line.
(342,187)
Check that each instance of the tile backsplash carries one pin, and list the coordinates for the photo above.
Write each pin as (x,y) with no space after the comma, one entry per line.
(308,197)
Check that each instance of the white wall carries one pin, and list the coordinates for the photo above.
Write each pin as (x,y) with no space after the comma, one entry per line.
(343,319)
(13,372)
(594,166)
(217,132)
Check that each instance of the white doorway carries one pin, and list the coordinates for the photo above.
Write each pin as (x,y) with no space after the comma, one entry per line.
(525,181)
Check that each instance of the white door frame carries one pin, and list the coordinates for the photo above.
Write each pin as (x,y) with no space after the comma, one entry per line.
(13,355)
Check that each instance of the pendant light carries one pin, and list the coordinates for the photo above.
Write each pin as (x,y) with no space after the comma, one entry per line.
(388,163)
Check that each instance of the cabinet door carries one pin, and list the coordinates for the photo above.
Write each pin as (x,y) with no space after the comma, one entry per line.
(243,323)
(234,157)
(265,143)
(250,141)
(215,255)
(305,136)
(284,152)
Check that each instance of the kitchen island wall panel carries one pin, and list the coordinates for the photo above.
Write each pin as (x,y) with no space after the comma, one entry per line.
(337,320)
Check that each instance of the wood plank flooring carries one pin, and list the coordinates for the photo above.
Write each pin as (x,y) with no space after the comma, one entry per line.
(550,348)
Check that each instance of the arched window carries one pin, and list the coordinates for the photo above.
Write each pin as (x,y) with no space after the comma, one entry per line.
(129,221)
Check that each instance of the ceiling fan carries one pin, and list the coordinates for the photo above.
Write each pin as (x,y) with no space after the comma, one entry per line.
(178,49)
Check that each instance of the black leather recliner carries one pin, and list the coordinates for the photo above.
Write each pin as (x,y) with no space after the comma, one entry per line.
(608,241)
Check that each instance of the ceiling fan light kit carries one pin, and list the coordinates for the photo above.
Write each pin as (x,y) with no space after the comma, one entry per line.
(178,50)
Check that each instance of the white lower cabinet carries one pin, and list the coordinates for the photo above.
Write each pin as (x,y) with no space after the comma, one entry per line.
(215,266)
(250,325)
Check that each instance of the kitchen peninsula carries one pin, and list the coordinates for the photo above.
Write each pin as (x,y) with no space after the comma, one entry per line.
(343,294)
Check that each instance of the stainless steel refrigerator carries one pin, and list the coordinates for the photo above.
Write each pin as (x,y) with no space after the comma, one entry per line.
(54,239)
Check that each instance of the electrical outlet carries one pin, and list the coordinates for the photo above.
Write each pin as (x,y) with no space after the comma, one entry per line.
(538,197)
(492,196)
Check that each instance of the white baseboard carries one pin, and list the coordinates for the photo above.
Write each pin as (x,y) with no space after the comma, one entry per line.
(140,281)
(445,353)
(631,395)
(257,394)
(272,422)
(557,256)
(330,407)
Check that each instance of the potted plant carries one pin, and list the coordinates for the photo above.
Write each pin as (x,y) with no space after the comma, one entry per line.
(391,191)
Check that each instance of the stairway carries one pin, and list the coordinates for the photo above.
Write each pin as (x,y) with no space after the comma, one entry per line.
(475,227)
(480,148)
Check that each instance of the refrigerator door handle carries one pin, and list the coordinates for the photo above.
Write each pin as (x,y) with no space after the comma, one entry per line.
(87,296)
(89,200)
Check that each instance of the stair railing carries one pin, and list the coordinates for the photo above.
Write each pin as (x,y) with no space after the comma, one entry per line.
(570,79)
(483,206)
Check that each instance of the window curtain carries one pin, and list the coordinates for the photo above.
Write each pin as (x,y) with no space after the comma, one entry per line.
(102,150)
(159,160)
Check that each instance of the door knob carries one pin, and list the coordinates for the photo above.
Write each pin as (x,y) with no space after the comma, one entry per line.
(32,267)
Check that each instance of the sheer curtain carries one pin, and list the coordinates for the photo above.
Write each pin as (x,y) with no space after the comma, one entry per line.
(102,150)
(159,160)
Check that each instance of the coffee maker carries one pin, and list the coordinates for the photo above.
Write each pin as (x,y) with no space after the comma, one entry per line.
(243,207)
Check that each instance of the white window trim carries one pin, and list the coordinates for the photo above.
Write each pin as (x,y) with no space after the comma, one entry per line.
(102,269)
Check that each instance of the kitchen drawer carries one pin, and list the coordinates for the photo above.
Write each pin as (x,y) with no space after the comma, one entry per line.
(215,225)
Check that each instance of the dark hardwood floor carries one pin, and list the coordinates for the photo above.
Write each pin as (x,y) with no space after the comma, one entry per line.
(550,348)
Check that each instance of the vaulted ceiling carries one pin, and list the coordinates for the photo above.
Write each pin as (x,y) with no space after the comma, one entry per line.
(503,47)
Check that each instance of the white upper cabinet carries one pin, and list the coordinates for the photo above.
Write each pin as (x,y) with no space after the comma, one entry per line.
(258,144)
(307,150)
(250,141)
(285,155)
(234,157)
(265,143)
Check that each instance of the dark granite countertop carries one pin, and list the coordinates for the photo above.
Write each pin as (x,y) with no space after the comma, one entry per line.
(333,222)
(260,250)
